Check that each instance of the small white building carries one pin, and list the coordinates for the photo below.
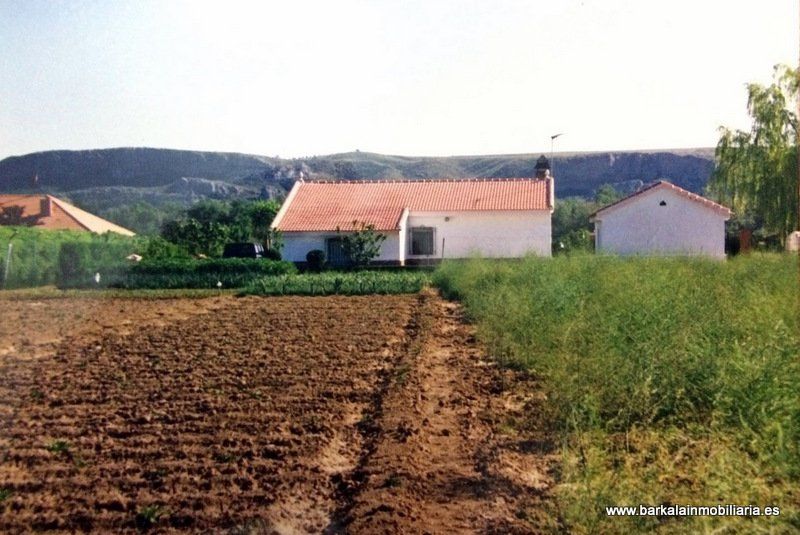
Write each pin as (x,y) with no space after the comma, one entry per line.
(662,219)
(423,220)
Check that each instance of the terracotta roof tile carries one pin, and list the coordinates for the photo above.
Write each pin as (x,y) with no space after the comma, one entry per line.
(669,185)
(62,215)
(322,206)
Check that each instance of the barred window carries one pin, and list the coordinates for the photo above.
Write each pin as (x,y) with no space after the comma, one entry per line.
(422,241)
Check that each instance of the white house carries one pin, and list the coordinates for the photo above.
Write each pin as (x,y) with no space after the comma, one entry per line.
(662,219)
(423,220)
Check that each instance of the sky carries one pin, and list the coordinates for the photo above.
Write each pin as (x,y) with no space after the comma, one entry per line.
(430,77)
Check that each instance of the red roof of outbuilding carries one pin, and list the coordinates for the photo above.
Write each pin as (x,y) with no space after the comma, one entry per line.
(324,206)
(48,212)
(708,203)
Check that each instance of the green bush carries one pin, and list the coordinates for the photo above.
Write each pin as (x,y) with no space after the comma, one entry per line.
(350,283)
(35,253)
(81,262)
(73,260)
(157,248)
(272,254)
(208,273)
(316,260)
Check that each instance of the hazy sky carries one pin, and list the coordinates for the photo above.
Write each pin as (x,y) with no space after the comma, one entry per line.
(424,77)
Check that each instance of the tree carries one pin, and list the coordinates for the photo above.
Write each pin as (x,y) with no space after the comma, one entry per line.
(756,170)
(261,215)
(197,237)
(606,194)
(571,226)
(362,244)
(141,217)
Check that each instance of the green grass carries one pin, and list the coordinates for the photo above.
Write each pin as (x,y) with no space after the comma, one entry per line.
(667,379)
(341,283)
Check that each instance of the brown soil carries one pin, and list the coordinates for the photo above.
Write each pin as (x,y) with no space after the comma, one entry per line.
(377,414)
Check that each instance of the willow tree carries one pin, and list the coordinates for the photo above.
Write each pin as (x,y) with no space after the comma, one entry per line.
(756,170)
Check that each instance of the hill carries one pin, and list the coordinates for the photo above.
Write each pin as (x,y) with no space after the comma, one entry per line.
(123,175)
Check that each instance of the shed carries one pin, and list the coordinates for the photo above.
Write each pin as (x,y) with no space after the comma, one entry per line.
(662,218)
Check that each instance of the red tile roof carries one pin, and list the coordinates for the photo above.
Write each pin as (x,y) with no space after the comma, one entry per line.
(61,216)
(324,206)
(668,185)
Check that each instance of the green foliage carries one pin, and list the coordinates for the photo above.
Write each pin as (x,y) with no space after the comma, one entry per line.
(190,273)
(197,237)
(672,380)
(141,217)
(261,214)
(157,248)
(315,260)
(5,494)
(756,171)
(208,225)
(605,195)
(662,324)
(272,254)
(352,283)
(79,263)
(362,244)
(35,252)
(571,226)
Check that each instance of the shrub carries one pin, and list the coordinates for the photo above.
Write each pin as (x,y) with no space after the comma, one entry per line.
(79,262)
(316,260)
(272,254)
(190,273)
(362,244)
(157,248)
(73,261)
(36,251)
(352,283)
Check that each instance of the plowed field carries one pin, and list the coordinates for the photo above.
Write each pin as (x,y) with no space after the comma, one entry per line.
(262,415)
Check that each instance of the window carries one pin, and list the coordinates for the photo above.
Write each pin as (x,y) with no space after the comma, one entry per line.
(422,241)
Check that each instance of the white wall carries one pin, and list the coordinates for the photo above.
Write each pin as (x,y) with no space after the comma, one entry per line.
(297,244)
(509,234)
(642,226)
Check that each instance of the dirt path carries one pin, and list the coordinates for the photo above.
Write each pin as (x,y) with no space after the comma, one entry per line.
(435,461)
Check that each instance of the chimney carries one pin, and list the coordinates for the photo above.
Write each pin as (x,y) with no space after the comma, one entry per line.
(542,167)
(46,206)
(543,173)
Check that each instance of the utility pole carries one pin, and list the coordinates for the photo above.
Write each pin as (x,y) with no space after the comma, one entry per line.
(552,158)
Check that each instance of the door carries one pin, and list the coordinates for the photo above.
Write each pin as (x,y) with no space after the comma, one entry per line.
(335,252)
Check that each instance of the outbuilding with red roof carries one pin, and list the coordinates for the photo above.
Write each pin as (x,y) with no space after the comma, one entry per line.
(662,219)
(423,220)
(51,213)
